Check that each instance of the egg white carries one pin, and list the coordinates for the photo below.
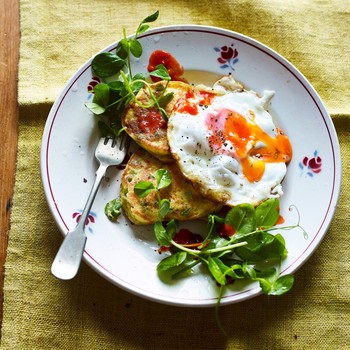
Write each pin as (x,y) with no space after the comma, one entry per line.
(217,174)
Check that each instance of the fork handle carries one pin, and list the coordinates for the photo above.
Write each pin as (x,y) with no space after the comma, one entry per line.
(67,261)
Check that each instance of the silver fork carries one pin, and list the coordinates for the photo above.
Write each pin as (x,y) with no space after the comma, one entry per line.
(67,261)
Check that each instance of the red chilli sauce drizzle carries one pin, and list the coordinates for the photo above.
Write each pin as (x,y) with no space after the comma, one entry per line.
(174,68)
(151,120)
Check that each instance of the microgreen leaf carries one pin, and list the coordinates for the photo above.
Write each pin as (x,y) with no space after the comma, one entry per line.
(116,85)
(142,28)
(139,76)
(281,246)
(143,188)
(216,271)
(265,286)
(248,270)
(101,94)
(138,82)
(164,208)
(162,236)
(262,246)
(161,72)
(122,49)
(273,284)
(228,270)
(241,217)
(213,222)
(267,213)
(95,108)
(151,18)
(236,271)
(171,229)
(165,99)
(107,64)
(163,178)
(282,285)
(270,274)
(171,261)
(185,269)
(135,47)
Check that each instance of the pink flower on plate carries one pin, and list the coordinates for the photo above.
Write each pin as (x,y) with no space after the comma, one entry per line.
(89,220)
(228,56)
(311,166)
(94,81)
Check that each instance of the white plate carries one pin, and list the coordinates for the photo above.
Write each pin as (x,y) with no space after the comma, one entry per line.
(126,254)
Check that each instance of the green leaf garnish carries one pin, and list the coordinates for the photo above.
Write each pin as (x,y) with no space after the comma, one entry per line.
(267,213)
(164,208)
(107,64)
(214,268)
(95,108)
(163,178)
(122,49)
(165,99)
(161,72)
(252,243)
(135,48)
(232,258)
(101,94)
(144,188)
(151,18)
(241,218)
(162,234)
(171,261)
(111,99)
(261,246)
(282,285)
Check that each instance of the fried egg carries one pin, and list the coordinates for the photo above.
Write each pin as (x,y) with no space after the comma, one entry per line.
(227,144)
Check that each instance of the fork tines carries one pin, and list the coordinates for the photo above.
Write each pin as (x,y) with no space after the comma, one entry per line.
(123,140)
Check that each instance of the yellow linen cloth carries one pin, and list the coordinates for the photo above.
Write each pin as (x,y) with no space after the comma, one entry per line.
(41,312)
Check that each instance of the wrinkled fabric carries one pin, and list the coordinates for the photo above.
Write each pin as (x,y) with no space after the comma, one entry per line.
(41,312)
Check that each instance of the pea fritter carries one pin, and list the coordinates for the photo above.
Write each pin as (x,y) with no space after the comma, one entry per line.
(146,126)
(185,202)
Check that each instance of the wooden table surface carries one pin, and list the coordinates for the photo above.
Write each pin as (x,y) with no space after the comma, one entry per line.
(9,55)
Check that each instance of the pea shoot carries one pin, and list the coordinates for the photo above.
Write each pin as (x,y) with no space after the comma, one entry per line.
(112,97)
(143,189)
(235,257)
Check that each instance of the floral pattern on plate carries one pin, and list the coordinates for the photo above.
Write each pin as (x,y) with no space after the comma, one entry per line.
(311,166)
(89,220)
(228,56)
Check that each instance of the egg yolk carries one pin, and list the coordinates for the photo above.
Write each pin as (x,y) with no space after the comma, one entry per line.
(234,134)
